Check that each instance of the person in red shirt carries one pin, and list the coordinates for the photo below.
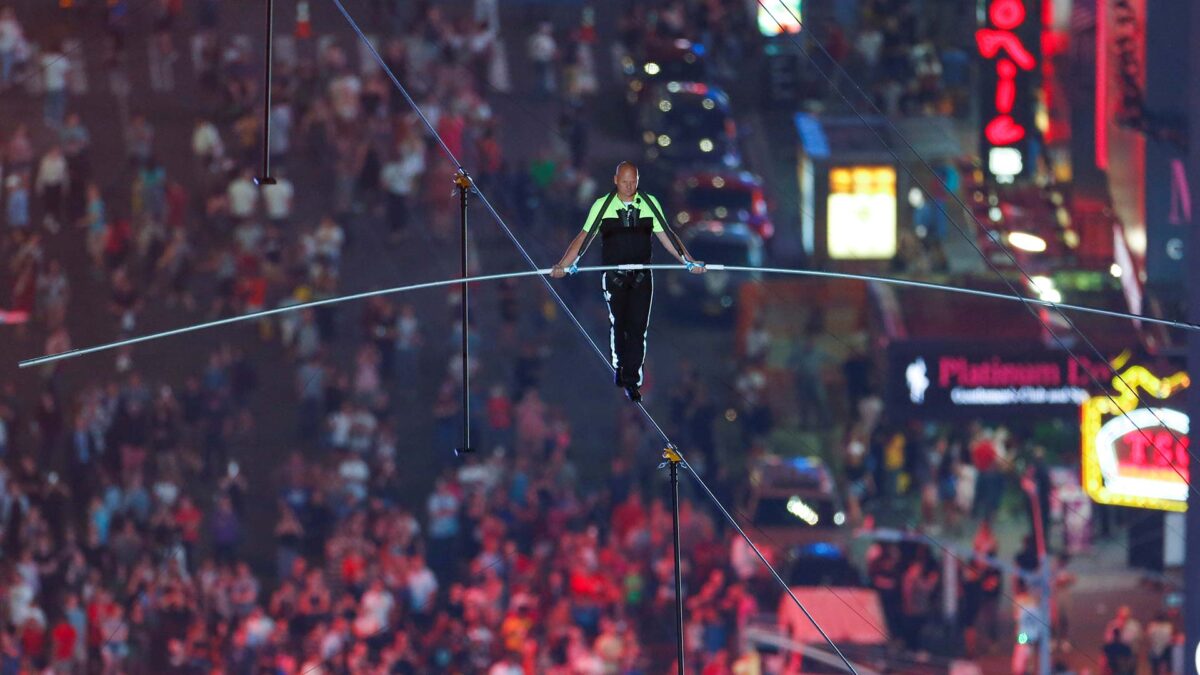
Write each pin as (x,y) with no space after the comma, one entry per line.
(33,640)
(354,567)
(989,482)
(62,645)
(500,415)
(628,516)
(177,201)
(187,518)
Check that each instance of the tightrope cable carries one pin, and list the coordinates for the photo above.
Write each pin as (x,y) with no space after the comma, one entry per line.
(910,283)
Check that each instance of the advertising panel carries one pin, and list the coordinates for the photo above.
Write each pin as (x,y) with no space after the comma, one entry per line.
(1008,45)
(1138,459)
(945,380)
(861,213)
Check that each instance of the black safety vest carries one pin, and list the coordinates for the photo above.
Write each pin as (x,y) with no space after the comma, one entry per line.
(625,231)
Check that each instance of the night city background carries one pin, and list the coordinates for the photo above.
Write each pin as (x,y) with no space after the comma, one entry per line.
(947,482)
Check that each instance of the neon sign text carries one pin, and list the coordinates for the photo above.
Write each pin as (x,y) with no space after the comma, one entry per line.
(1001,43)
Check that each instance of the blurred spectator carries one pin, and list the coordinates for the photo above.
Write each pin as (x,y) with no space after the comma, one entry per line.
(54,68)
(51,186)
(543,51)
(399,180)
(12,45)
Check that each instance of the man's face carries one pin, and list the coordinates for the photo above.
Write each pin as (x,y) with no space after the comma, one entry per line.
(626,181)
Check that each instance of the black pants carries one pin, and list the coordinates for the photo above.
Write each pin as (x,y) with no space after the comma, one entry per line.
(629,296)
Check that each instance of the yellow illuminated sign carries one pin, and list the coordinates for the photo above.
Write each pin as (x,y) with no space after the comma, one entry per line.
(861,219)
(1135,456)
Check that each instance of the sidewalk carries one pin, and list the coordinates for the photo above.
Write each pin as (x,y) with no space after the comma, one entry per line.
(1103,583)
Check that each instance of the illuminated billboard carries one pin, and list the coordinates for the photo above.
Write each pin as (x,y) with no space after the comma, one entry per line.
(861,213)
(1139,459)
(1008,45)
(773,13)
(930,379)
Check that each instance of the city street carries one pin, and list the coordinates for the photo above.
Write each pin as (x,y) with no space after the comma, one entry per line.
(450,552)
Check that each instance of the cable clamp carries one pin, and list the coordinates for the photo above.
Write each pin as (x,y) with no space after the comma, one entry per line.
(671,455)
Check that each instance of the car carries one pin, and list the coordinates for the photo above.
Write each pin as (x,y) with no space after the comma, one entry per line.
(689,123)
(712,294)
(721,195)
(662,61)
(795,501)
(821,563)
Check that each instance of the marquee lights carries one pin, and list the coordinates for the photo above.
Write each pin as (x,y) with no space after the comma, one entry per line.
(1136,458)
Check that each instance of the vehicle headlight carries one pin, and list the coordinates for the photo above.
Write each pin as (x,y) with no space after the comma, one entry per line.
(1026,242)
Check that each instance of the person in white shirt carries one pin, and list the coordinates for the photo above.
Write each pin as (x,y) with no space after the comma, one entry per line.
(12,40)
(421,584)
(51,186)
(399,180)
(378,602)
(206,144)
(329,239)
(344,92)
(55,66)
(277,199)
(242,196)
(542,51)
(281,132)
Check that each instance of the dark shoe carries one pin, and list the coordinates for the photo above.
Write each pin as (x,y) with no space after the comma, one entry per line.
(633,393)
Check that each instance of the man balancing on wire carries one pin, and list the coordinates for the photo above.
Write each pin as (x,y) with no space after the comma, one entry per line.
(624,219)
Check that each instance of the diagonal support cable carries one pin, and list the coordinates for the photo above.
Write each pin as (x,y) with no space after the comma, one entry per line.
(516,242)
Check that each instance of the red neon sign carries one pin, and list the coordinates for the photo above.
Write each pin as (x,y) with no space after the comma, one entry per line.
(1002,44)
(1150,451)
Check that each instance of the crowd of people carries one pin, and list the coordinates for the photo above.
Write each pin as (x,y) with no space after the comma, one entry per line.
(126,518)
(909,64)
(126,536)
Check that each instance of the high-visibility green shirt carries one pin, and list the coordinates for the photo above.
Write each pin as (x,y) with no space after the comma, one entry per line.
(616,206)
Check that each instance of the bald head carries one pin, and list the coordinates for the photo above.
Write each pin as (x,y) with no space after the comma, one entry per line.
(626,180)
